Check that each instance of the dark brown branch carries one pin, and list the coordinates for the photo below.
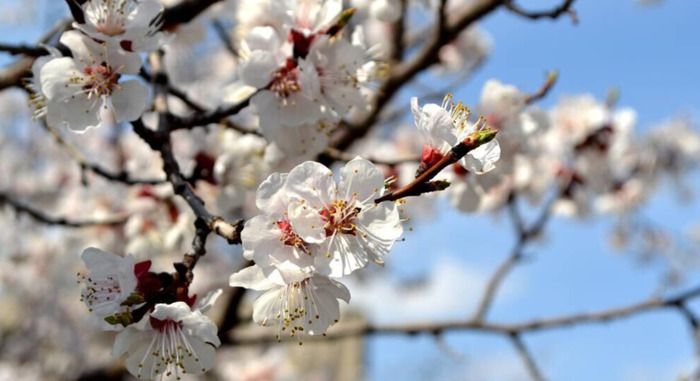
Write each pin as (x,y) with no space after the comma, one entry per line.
(397,34)
(564,8)
(40,216)
(215,116)
(27,50)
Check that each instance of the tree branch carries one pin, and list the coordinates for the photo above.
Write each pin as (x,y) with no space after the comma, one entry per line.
(259,335)
(39,216)
(564,8)
(527,358)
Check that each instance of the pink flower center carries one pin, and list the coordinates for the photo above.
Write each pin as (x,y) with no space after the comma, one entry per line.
(290,238)
(101,79)
(339,216)
(286,80)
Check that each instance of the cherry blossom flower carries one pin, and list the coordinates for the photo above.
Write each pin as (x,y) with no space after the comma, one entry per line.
(357,230)
(279,240)
(173,339)
(134,25)
(79,87)
(109,282)
(309,305)
(447,125)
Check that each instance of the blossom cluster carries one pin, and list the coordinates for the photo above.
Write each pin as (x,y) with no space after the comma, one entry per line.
(313,230)
(89,87)
(163,331)
(305,72)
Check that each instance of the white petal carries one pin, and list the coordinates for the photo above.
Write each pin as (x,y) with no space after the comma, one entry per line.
(55,78)
(307,222)
(271,198)
(483,158)
(129,100)
(251,277)
(360,179)
(263,38)
(145,12)
(205,304)
(312,182)
(258,70)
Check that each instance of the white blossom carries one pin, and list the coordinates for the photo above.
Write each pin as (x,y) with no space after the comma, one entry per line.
(447,125)
(357,229)
(172,339)
(110,280)
(309,305)
(79,87)
(132,24)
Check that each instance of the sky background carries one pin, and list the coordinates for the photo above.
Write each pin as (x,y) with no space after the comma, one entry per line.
(651,54)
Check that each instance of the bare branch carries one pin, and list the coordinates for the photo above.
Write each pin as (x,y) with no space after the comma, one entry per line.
(257,335)
(40,216)
(122,176)
(224,37)
(422,182)
(544,90)
(527,358)
(564,8)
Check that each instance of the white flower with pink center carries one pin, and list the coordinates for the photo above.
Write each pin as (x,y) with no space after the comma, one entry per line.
(279,240)
(447,125)
(109,281)
(79,88)
(172,340)
(357,230)
(309,305)
(133,25)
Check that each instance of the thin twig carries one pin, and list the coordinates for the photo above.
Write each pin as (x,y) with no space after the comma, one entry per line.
(40,216)
(258,335)
(224,37)
(564,8)
(529,361)
(422,183)
(122,176)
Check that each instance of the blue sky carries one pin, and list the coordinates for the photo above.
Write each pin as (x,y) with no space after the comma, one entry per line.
(652,55)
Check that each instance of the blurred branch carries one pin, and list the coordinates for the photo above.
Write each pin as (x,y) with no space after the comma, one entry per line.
(28,50)
(122,176)
(258,335)
(220,30)
(524,237)
(40,216)
(397,34)
(527,358)
(564,8)
(231,317)
(544,90)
